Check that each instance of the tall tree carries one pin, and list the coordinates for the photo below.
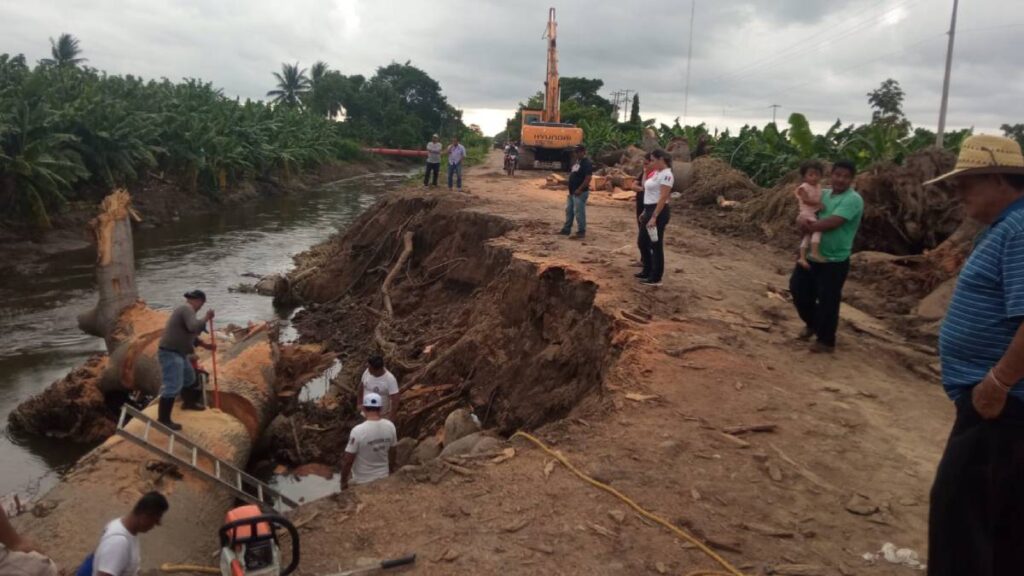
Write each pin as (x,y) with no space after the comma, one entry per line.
(1015,131)
(317,72)
(887,104)
(292,85)
(584,91)
(634,113)
(65,50)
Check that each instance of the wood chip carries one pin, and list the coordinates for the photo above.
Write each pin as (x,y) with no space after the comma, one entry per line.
(766,530)
(738,442)
(601,530)
(774,472)
(506,454)
(516,525)
(744,429)
(549,468)
(637,397)
(630,316)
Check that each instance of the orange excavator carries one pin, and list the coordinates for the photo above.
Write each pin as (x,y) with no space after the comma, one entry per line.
(546,141)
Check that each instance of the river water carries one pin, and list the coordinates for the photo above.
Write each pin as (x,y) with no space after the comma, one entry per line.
(40,341)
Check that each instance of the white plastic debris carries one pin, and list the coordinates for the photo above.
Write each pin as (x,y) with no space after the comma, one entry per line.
(893,555)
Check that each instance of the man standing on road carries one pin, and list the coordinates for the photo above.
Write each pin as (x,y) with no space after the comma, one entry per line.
(181,334)
(369,455)
(379,380)
(19,556)
(579,191)
(818,290)
(976,520)
(456,154)
(433,161)
(118,550)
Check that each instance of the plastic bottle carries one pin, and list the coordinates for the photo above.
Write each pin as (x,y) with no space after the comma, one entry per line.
(652,231)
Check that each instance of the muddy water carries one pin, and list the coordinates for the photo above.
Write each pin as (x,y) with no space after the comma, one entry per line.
(40,342)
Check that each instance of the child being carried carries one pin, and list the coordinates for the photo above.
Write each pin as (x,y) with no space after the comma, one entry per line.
(809,196)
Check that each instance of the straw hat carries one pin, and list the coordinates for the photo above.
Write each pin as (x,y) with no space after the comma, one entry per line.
(985,154)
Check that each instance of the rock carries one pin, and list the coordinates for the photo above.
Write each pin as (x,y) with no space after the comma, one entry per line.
(270,285)
(459,424)
(617,515)
(462,446)
(661,568)
(403,451)
(861,506)
(486,445)
(774,472)
(427,450)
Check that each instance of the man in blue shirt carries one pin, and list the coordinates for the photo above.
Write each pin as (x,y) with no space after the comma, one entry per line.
(976,520)
(456,153)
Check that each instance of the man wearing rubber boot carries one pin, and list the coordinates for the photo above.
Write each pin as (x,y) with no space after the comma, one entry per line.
(176,346)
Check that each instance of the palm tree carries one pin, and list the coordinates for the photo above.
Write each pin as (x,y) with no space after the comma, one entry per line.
(317,72)
(65,51)
(292,84)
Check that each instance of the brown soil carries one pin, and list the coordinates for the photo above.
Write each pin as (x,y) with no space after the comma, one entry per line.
(636,386)
(72,408)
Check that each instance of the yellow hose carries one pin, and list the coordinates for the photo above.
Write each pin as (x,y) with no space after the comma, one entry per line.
(193,568)
(730,569)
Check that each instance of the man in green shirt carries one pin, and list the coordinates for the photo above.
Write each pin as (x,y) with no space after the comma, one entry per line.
(817,291)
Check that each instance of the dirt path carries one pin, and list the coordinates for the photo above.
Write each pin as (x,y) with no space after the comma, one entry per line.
(717,352)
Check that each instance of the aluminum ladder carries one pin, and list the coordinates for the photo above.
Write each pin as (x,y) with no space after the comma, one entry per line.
(180,450)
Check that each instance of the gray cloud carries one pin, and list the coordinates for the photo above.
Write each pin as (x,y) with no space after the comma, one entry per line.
(817,57)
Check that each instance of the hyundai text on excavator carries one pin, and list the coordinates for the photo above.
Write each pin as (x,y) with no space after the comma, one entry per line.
(546,141)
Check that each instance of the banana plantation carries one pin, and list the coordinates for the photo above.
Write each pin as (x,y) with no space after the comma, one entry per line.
(66,128)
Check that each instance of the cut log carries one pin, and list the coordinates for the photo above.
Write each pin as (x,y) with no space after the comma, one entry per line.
(115,265)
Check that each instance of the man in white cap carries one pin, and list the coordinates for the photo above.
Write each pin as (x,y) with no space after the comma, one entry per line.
(433,161)
(976,520)
(369,455)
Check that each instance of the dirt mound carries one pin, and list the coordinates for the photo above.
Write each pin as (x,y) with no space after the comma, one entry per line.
(713,177)
(518,344)
(83,414)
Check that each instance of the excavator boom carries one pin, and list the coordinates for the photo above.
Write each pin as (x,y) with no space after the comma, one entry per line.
(552,96)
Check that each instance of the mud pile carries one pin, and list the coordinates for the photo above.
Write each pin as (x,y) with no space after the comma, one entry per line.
(713,177)
(470,325)
(72,408)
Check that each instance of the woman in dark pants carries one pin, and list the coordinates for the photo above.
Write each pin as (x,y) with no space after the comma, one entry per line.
(654,218)
(638,187)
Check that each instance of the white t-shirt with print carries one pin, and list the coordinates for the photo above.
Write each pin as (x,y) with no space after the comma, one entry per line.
(118,552)
(370,442)
(386,384)
(652,187)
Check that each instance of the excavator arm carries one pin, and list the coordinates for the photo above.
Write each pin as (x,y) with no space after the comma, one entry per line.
(552,95)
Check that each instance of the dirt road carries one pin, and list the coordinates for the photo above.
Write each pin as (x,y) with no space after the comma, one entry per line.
(846,466)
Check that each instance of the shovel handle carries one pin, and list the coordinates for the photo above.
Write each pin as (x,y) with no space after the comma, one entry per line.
(396,562)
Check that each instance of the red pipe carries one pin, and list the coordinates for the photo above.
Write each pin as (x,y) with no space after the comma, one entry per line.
(397,152)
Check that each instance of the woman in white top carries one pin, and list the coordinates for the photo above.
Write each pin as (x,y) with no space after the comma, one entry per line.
(654,218)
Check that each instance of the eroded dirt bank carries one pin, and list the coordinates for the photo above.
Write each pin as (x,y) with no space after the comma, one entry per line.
(692,399)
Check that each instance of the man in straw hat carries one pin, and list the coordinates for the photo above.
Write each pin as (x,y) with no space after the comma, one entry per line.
(976,523)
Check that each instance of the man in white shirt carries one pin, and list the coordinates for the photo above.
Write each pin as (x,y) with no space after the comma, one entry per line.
(368,454)
(433,161)
(118,551)
(378,380)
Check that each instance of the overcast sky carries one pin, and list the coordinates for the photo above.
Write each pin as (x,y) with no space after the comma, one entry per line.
(814,56)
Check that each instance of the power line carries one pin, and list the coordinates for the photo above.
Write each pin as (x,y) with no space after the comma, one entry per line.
(689,60)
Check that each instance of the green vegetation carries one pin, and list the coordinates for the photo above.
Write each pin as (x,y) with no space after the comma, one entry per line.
(764,153)
(71,132)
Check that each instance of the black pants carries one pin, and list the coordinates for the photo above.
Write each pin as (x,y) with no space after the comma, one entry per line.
(432,168)
(976,519)
(652,254)
(817,293)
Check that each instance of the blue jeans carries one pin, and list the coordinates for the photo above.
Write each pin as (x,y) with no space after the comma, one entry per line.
(455,170)
(576,207)
(177,373)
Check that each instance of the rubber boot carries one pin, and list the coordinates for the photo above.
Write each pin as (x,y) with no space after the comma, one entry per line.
(191,399)
(164,409)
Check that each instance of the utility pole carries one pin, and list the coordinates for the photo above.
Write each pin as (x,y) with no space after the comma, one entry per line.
(616,102)
(626,102)
(774,107)
(945,81)
(689,58)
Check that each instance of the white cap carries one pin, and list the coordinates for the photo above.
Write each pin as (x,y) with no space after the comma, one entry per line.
(372,400)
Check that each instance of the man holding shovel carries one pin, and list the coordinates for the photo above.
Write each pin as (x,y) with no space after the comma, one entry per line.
(180,337)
